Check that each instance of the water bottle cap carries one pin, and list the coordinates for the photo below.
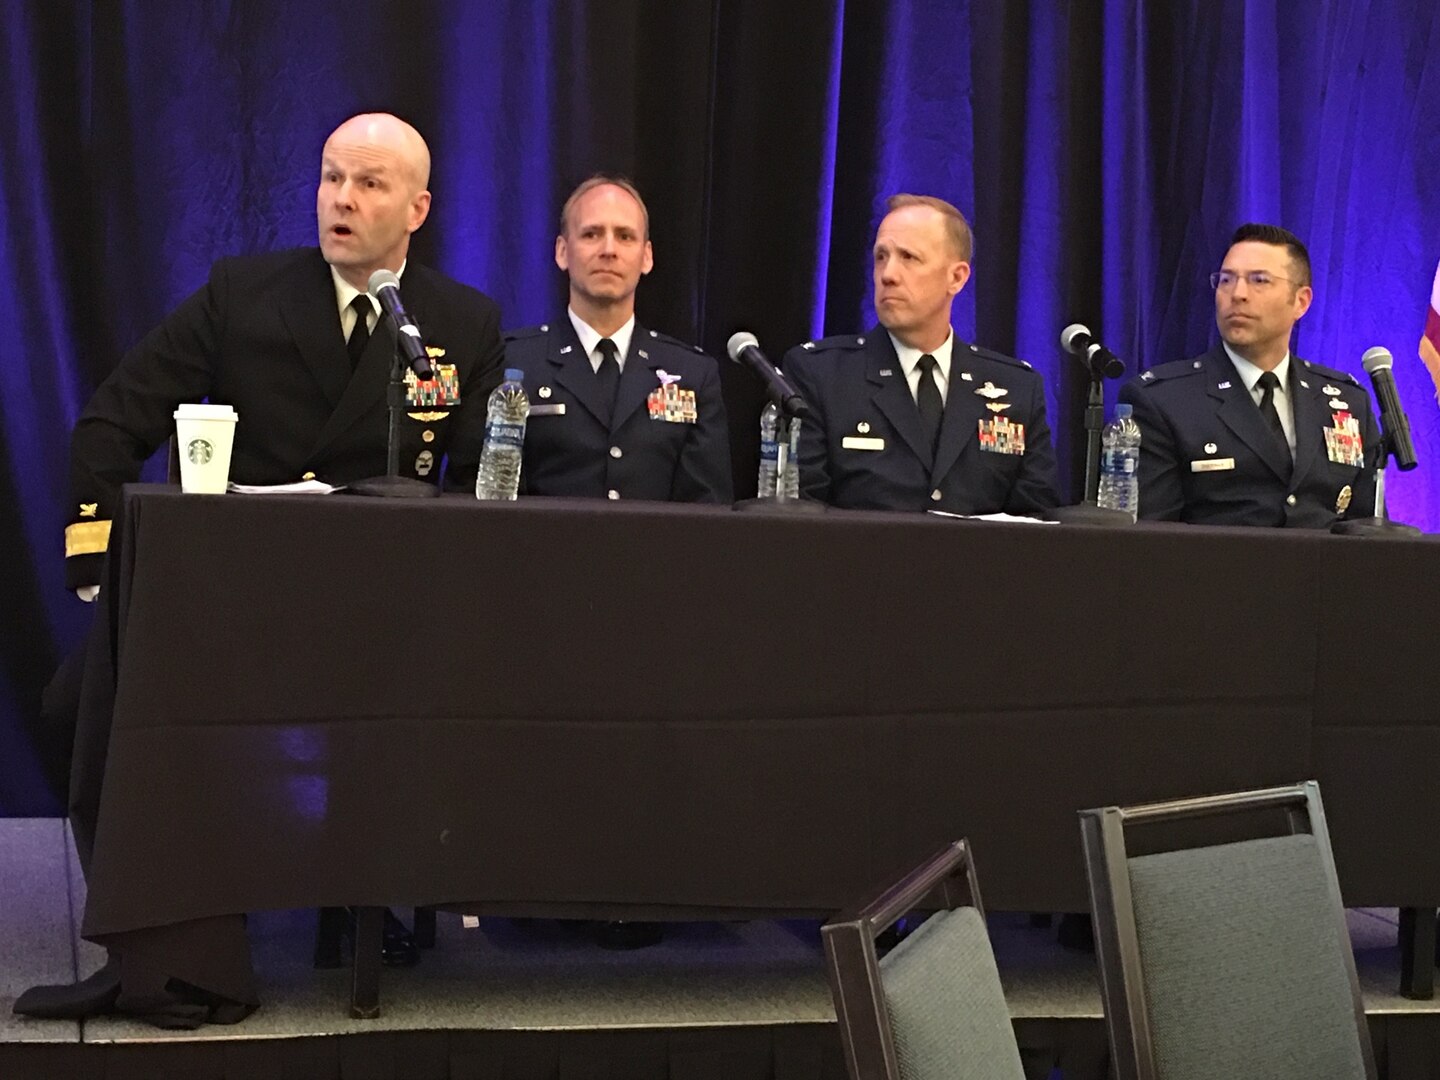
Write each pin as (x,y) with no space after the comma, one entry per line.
(1123,410)
(514,375)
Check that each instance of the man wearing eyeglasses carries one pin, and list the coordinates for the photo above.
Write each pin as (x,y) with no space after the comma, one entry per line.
(1250,434)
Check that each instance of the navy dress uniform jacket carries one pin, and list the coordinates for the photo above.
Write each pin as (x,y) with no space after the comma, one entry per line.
(570,449)
(1193,413)
(263,335)
(862,445)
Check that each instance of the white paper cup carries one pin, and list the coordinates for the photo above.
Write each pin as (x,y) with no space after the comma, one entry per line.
(204,435)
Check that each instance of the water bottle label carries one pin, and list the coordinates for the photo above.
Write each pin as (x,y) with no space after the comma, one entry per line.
(1117,462)
(502,435)
(770,451)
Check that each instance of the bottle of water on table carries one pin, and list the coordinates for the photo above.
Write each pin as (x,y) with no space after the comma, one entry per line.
(508,409)
(1120,463)
(769,451)
(789,488)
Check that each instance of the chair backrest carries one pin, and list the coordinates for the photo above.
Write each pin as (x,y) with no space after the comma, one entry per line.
(1231,959)
(933,1007)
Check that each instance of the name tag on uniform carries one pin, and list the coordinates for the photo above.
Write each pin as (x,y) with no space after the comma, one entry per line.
(554,409)
(861,442)
(1216,464)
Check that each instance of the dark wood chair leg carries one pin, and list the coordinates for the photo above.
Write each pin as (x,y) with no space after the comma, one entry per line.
(1417,953)
(425,927)
(365,980)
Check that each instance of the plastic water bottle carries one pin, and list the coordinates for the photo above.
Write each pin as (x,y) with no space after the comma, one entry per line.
(508,409)
(790,488)
(770,456)
(1120,463)
(769,451)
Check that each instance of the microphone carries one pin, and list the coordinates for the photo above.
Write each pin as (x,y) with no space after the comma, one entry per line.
(1378,363)
(385,287)
(1077,340)
(744,348)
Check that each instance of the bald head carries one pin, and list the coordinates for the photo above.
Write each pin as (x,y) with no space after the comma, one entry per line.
(372,195)
(383,133)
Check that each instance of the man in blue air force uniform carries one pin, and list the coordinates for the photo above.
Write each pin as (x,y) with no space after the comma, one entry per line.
(907,416)
(1250,434)
(616,411)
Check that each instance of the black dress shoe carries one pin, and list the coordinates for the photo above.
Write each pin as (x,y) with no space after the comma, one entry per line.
(627,935)
(94,996)
(397,944)
(336,930)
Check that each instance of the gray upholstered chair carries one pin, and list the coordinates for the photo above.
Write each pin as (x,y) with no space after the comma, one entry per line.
(932,1007)
(1226,960)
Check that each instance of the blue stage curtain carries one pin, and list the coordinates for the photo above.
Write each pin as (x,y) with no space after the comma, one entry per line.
(1104,152)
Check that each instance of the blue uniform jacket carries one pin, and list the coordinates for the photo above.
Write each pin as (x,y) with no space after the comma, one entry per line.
(862,446)
(1207,456)
(569,450)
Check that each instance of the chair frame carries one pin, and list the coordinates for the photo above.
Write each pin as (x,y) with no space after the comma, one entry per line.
(1122,981)
(853,965)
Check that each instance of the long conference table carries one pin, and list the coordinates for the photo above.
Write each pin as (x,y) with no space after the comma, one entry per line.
(569,708)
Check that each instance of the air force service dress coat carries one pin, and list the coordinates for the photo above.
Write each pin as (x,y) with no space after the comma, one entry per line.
(862,446)
(1207,456)
(263,335)
(667,440)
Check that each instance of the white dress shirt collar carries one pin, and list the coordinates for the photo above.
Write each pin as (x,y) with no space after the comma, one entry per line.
(910,363)
(590,339)
(1250,376)
(345,294)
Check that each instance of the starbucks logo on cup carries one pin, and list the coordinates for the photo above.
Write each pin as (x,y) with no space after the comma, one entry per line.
(199,451)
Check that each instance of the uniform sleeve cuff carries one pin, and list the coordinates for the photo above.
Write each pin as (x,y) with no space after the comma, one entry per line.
(87,538)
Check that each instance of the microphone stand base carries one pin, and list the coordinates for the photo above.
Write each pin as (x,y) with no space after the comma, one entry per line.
(1087,513)
(1373,527)
(393,487)
(783,506)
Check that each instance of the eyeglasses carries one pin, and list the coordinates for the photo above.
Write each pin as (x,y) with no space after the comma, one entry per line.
(1259,280)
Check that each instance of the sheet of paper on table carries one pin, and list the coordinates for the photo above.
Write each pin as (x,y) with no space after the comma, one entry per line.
(1016,519)
(299,487)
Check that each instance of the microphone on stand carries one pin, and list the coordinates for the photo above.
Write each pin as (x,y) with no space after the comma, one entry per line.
(1101,364)
(744,348)
(1394,439)
(1379,364)
(1077,340)
(409,349)
(385,287)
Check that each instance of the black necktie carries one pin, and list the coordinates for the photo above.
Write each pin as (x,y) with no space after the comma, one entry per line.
(927,397)
(609,376)
(360,332)
(1269,382)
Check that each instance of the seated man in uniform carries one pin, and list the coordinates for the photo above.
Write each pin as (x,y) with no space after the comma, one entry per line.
(293,341)
(1250,434)
(907,416)
(616,411)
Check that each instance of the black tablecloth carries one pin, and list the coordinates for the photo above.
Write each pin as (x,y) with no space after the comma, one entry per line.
(570,707)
